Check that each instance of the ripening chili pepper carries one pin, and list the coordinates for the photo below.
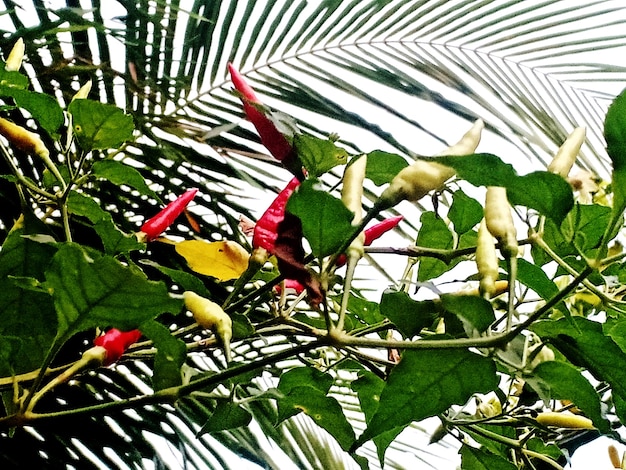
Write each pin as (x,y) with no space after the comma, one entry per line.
(23,139)
(566,155)
(499,220)
(14,60)
(418,179)
(116,342)
(211,316)
(156,225)
(271,137)
(264,236)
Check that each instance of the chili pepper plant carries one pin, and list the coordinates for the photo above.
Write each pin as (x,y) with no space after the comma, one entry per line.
(506,372)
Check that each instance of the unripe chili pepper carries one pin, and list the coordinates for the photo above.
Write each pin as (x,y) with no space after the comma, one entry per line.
(14,60)
(83,91)
(116,342)
(264,236)
(23,139)
(418,179)
(566,155)
(155,226)
(500,221)
(271,137)
(564,420)
(351,196)
(486,261)
(211,316)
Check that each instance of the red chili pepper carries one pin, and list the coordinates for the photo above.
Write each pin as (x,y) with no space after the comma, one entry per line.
(264,235)
(116,342)
(371,234)
(156,225)
(271,137)
(374,232)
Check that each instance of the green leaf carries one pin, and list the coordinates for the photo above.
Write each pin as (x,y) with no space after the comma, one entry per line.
(368,388)
(410,316)
(534,277)
(475,312)
(562,381)
(300,378)
(113,239)
(170,356)
(615,133)
(119,173)
(227,415)
(93,292)
(458,375)
(305,377)
(585,224)
(12,79)
(318,155)
(44,108)
(477,459)
(547,193)
(324,410)
(184,279)
(382,167)
(434,233)
(325,219)
(100,126)
(583,343)
(10,350)
(26,314)
(465,212)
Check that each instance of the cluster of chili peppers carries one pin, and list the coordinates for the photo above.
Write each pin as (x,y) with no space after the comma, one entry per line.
(265,231)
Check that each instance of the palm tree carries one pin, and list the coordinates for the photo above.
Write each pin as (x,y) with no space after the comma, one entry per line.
(405,76)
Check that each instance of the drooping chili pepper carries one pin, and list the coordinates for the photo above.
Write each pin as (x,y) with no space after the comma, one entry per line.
(351,196)
(23,139)
(499,220)
(15,57)
(418,179)
(486,261)
(264,236)
(211,316)
(156,225)
(271,137)
(116,342)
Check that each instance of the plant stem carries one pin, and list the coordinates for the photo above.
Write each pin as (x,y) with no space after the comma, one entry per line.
(168,395)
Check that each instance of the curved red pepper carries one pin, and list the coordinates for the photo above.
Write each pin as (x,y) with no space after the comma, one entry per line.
(116,342)
(374,232)
(156,225)
(271,137)
(264,235)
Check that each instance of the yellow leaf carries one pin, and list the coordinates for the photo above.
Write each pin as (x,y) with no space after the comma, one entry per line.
(223,260)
